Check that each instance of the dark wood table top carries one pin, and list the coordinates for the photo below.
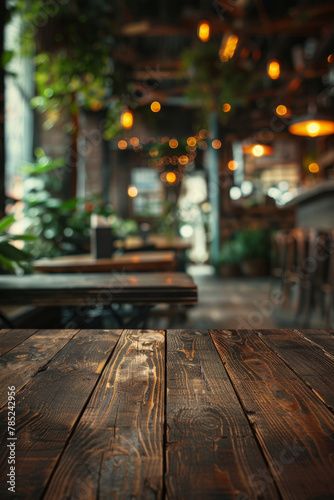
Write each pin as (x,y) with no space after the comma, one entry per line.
(179,414)
(159,241)
(102,288)
(134,262)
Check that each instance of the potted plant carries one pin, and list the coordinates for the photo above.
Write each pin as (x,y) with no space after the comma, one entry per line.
(229,259)
(254,252)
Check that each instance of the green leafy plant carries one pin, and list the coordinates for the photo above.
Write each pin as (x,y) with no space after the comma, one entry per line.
(62,226)
(253,244)
(11,258)
(231,253)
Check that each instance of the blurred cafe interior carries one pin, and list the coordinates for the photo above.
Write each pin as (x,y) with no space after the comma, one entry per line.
(167,164)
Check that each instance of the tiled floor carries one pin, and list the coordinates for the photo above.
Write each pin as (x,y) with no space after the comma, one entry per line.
(225,303)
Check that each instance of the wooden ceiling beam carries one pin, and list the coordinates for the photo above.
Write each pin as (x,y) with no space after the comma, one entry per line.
(287,27)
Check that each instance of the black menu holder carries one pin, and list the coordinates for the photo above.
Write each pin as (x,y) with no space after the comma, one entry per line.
(102,244)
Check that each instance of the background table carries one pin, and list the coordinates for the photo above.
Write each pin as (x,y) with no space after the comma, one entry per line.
(193,414)
(134,262)
(104,288)
(159,241)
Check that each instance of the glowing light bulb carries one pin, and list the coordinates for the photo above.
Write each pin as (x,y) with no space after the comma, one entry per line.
(313,167)
(216,144)
(258,150)
(173,143)
(191,141)
(313,128)
(232,165)
(122,144)
(134,141)
(132,191)
(281,110)
(127,119)
(274,69)
(155,106)
(204,31)
(171,177)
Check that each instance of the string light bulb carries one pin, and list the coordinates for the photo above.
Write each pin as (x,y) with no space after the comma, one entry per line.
(204,31)
(155,106)
(274,69)
(127,119)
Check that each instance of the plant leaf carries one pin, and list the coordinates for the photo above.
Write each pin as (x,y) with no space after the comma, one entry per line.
(10,252)
(6,222)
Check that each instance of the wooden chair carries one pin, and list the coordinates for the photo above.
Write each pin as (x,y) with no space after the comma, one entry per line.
(327,287)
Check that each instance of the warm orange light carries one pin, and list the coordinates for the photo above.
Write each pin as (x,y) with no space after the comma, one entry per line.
(330,58)
(274,69)
(164,139)
(132,191)
(203,133)
(183,160)
(122,144)
(216,144)
(232,165)
(191,141)
(312,128)
(281,110)
(155,106)
(257,150)
(173,143)
(228,47)
(313,167)
(171,177)
(127,119)
(134,141)
(204,31)
(226,107)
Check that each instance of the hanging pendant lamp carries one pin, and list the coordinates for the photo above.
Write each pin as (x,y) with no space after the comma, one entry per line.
(312,125)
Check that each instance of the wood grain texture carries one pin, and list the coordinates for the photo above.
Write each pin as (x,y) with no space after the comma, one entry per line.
(324,338)
(117,449)
(211,450)
(23,362)
(307,359)
(295,431)
(11,338)
(48,408)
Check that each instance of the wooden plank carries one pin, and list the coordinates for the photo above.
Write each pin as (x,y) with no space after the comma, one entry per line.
(323,338)
(10,338)
(309,361)
(295,430)
(49,407)
(99,288)
(211,450)
(23,362)
(139,261)
(117,448)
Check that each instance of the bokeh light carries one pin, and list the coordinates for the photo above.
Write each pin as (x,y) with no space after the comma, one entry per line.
(216,144)
(155,106)
(132,191)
